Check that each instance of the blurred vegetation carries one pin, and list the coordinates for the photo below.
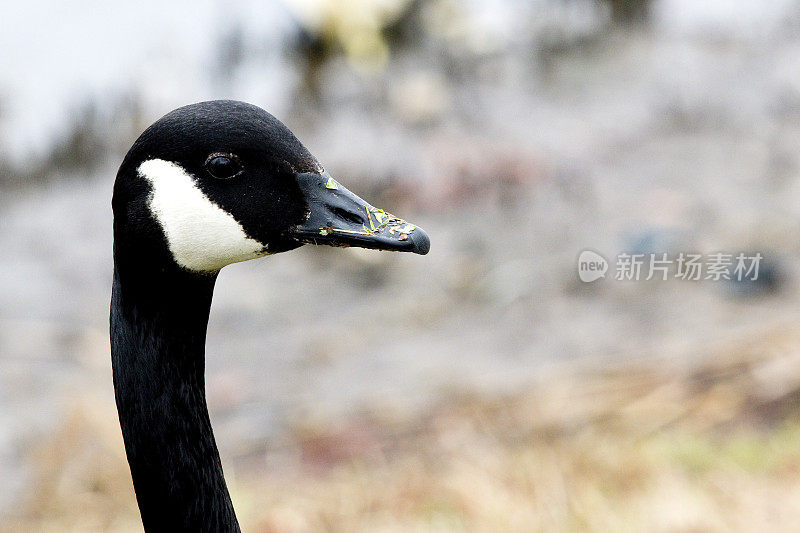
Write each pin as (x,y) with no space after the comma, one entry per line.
(91,138)
(364,34)
(636,446)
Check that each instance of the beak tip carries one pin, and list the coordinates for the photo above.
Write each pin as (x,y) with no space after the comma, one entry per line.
(421,242)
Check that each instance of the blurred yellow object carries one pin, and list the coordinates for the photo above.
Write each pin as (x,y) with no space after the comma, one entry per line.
(354,25)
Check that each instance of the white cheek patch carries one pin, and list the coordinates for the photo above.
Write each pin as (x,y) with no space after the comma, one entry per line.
(201,236)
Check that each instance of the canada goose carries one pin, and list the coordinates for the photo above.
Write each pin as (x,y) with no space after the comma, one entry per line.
(206,185)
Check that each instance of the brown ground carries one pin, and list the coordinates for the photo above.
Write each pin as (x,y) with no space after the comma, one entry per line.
(642,446)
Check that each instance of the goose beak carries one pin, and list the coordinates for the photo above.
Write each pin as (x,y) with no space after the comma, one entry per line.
(337,217)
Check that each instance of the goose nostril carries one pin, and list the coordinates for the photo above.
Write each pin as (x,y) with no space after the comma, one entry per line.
(349,216)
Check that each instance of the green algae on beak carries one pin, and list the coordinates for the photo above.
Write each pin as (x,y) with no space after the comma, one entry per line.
(337,217)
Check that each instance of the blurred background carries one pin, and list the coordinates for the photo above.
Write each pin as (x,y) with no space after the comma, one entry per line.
(482,387)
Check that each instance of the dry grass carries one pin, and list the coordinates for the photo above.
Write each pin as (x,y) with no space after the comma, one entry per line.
(648,446)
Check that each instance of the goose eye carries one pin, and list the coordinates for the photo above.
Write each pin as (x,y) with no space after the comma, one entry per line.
(223,166)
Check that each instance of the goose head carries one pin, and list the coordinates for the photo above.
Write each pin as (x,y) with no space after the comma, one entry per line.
(220,182)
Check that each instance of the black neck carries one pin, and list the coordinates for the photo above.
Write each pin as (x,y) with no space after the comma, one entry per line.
(158,331)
